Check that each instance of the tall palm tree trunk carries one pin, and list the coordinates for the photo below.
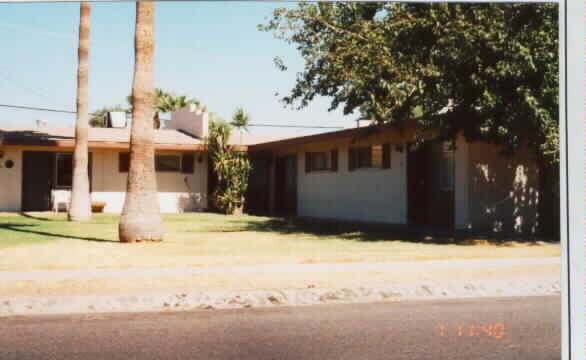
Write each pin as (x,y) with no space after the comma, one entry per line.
(141,218)
(80,203)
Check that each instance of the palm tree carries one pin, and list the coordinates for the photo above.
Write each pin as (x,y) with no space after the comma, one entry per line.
(80,202)
(141,218)
(166,102)
(241,121)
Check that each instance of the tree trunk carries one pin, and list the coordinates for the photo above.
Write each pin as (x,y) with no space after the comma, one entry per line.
(80,202)
(141,217)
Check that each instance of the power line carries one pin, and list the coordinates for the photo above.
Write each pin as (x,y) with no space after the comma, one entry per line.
(37,109)
(36,91)
(20,107)
(298,126)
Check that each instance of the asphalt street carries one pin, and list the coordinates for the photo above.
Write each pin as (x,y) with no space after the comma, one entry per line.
(479,328)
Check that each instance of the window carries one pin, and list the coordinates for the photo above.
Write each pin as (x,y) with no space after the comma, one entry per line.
(360,158)
(184,163)
(188,163)
(321,161)
(375,156)
(63,170)
(318,161)
(167,163)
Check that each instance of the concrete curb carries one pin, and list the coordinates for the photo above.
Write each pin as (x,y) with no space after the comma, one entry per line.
(188,300)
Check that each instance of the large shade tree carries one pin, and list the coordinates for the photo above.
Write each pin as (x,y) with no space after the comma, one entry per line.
(496,64)
(80,202)
(141,218)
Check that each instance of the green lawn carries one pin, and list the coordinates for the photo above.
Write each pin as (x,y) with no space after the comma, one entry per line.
(42,241)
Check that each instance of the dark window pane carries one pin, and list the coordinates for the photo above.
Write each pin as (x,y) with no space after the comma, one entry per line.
(318,161)
(123,162)
(167,163)
(64,173)
(188,163)
(361,157)
(386,156)
(334,160)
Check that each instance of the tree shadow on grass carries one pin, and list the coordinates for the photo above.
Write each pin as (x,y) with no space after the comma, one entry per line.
(25,228)
(33,217)
(380,232)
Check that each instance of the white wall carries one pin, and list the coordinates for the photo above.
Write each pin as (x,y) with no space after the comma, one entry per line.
(370,195)
(190,119)
(109,185)
(462,178)
(11,181)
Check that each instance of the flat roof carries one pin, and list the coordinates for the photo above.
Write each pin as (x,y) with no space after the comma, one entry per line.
(328,136)
(115,138)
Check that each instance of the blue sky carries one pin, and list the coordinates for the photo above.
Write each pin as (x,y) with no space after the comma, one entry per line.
(210,51)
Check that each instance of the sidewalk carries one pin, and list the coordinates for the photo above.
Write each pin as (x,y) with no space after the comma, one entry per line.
(281,268)
(219,287)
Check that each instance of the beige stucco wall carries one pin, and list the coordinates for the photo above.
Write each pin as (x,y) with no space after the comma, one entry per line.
(175,195)
(11,180)
(503,190)
(109,185)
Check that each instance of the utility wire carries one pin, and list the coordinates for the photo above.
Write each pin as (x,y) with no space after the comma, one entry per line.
(19,107)
(37,109)
(298,126)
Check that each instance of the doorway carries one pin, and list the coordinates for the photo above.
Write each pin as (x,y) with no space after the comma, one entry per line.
(431,185)
(418,185)
(37,180)
(286,186)
(43,171)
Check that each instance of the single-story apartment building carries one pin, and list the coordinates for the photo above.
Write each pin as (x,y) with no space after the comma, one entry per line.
(36,161)
(377,175)
(363,174)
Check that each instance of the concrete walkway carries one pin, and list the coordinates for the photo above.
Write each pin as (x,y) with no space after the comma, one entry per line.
(186,296)
(37,275)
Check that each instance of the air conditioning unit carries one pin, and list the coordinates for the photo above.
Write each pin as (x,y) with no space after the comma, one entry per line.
(115,119)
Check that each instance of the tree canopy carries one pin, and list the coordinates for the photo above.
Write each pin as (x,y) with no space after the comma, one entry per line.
(97,117)
(241,119)
(167,101)
(495,64)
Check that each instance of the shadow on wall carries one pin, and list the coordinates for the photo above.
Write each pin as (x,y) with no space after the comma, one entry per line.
(505,196)
(191,202)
